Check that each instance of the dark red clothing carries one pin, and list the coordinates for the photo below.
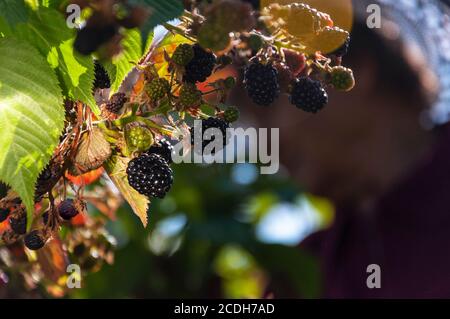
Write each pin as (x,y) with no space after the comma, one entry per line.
(408,236)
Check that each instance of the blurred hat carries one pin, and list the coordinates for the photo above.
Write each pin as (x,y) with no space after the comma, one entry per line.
(424,28)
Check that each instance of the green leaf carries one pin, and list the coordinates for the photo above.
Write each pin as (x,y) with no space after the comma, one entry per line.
(116,169)
(161,11)
(31,117)
(48,32)
(14,11)
(53,3)
(132,52)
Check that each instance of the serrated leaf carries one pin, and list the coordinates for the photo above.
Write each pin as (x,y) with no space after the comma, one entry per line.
(161,11)
(121,65)
(31,117)
(116,169)
(14,11)
(48,32)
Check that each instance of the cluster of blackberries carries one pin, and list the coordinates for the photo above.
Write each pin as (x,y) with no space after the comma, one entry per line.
(262,84)
(207,135)
(150,173)
(36,238)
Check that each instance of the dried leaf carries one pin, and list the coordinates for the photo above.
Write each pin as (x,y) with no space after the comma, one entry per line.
(116,169)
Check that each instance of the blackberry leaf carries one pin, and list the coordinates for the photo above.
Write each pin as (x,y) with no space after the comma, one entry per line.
(50,35)
(116,169)
(31,117)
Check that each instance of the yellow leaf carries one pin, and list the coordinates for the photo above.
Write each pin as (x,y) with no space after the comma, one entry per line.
(116,169)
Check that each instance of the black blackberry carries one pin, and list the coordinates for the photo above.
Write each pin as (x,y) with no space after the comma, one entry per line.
(90,38)
(343,49)
(162,148)
(261,82)
(45,218)
(102,80)
(116,102)
(308,95)
(66,209)
(4,213)
(18,221)
(210,122)
(150,175)
(201,65)
(47,179)
(35,240)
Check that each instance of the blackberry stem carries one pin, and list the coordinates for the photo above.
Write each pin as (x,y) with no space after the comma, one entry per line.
(152,124)
(177,30)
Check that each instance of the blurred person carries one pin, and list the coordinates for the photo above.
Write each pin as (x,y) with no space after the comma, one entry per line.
(381,153)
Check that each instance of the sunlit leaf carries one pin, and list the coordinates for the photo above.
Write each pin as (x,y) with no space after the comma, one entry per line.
(116,169)
(48,32)
(14,11)
(161,11)
(31,117)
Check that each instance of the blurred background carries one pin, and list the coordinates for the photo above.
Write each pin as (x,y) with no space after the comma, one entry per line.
(224,231)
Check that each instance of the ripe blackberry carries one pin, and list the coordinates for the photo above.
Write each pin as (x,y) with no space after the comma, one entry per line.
(35,240)
(45,218)
(102,80)
(157,89)
(4,213)
(201,65)
(18,221)
(183,54)
(162,148)
(116,102)
(261,82)
(343,49)
(308,95)
(47,179)
(150,175)
(66,209)
(206,137)
(90,38)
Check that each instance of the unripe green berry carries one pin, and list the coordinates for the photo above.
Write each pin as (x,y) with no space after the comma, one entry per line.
(230,82)
(157,89)
(211,36)
(255,42)
(190,95)
(224,60)
(342,78)
(183,54)
(139,138)
(231,114)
